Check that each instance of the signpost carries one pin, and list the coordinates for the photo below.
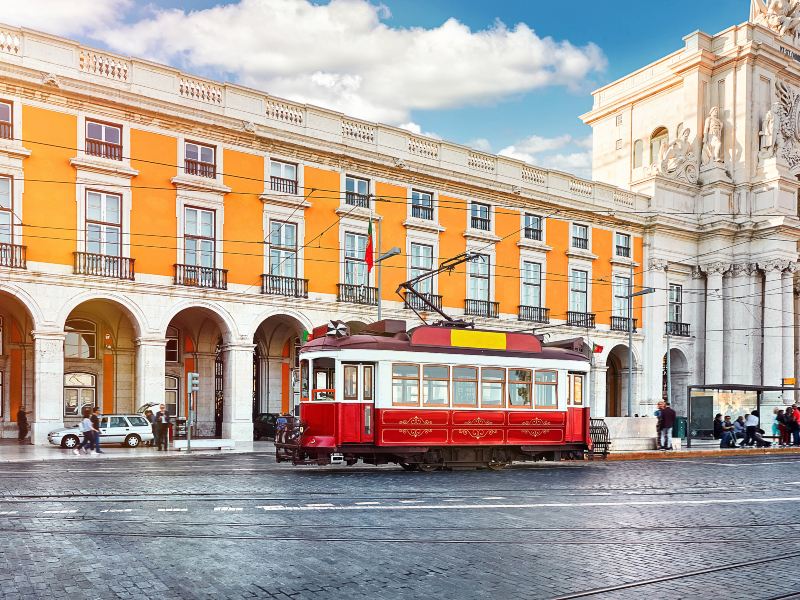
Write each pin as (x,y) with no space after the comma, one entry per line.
(193,388)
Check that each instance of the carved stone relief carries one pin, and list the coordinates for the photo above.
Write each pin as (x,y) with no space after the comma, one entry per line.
(677,159)
(779,16)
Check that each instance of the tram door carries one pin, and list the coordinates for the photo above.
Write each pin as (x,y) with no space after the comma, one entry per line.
(357,424)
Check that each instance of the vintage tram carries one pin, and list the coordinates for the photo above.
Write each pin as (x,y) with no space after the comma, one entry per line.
(436,397)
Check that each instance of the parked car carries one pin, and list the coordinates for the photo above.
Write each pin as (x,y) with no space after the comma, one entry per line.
(128,430)
(264,425)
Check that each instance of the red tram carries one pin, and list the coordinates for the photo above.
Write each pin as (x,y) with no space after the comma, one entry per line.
(436,397)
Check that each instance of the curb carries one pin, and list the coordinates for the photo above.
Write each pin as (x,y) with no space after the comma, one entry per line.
(677,455)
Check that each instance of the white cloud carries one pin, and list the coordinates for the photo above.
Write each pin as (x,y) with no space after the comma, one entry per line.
(481,144)
(60,17)
(343,56)
(535,144)
(416,129)
(579,163)
(538,150)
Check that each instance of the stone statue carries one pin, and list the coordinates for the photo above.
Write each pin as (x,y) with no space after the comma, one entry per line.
(712,138)
(770,130)
(780,16)
(677,158)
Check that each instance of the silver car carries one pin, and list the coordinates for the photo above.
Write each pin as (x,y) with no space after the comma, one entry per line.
(128,430)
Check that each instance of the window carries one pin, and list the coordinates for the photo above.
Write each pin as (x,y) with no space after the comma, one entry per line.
(6,124)
(620,301)
(519,388)
(623,243)
(104,140)
(421,205)
(492,386)
(580,236)
(199,237)
(356,191)
(576,391)
(478,275)
(282,177)
(675,303)
(405,384)
(81,339)
(351,382)
(172,349)
(638,151)
(103,228)
(118,422)
(421,262)
(283,249)
(480,216)
(619,120)
(436,385)
(618,145)
(355,267)
(6,210)
(531,284)
(140,421)
(546,389)
(200,160)
(465,386)
(79,391)
(533,227)
(660,136)
(367,383)
(578,291)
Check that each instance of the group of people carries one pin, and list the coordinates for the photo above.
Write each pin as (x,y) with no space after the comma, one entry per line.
(159,422)
(666,421)
(785,427)
(90,428)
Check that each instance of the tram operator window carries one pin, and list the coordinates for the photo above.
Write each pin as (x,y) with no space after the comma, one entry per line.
(350,382)
(465,386)
(519,388)
(436,384)
(492,386)
(546,389)
(405,385)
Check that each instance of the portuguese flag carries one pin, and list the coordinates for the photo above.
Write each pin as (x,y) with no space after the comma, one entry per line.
(597,348)
(369,251)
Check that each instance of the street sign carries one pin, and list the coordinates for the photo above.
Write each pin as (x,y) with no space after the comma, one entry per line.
(789,381)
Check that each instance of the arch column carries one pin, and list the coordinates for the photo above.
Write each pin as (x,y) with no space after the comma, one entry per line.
(150,370)
(772,350)
(597,401)
(237,413)
(654,328)
(48,387)
(787,340)
(715,307)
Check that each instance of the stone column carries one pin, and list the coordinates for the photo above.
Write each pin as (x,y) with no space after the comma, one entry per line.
(237,414)
(737,357)
(714,322)
(655,316)
(597,401)
(48,386)
(264,381)
(772,350)
(150,370)
(787,282)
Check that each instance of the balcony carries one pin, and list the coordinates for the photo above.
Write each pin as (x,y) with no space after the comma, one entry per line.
(624,251)
(422,212)
(415,303)
(531,233)
(534,314)
(101,265)
(481,308)
(279,184)
(278,285)
(676,328)
(357,294)
(353,199)
(580,242)
(200,169)
(103,149)
(6,131)
(481,223)
(622,324)
(12,256)
(580,319)
(202,277)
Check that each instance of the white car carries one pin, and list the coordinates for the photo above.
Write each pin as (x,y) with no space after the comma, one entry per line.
(128,430)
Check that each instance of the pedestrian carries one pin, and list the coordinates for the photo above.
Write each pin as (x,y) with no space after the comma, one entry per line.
(783,430)
(738,428)
(718,430)
(148,414)
(22,425)
(162,427)
(657,413)
(750,427)
(728,440)
(667,423)
(86,429)
(96,433)
(792,420)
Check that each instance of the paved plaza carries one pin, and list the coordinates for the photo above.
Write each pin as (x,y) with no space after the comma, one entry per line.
(241,526)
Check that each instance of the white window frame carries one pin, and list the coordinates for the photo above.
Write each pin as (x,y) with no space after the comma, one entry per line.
(630,244)
(490,215)
(103,223)
(415,271)
(488,278)
(571,279)
(572,236)
(525,285)
(281,248)
(620,285)
(679,303)
(355,259)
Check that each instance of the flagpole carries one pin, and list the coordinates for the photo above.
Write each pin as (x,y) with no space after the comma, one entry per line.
(380,270)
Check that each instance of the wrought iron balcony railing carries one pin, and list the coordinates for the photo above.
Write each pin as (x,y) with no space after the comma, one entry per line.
(531,233)
(358,294)
(535,314)
(103,149)
(201,169)
(676,328)
(101,265)
(280,184)
(12,256)
(414,302)
(6,131)
(481,308)
(278,285)
(622,324)
(580,319)
(481,223)
(354,199)
(422,212)
(579,242)
(202,277)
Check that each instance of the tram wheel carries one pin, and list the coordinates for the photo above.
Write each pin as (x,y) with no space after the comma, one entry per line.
(498,465)
(428,467)
(408,466)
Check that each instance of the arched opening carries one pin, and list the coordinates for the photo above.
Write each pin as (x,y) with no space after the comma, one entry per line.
(658,138)
(638,153)
(99,359)
(617,382)
(675,379)
(275,365)
(16,364)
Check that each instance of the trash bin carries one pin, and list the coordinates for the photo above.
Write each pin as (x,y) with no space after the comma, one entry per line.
(681,424)
(179,427)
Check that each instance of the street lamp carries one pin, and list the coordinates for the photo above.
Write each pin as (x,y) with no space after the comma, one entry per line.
(630,296)
(393,251)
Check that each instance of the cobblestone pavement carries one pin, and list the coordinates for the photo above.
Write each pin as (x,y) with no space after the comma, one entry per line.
(240,526)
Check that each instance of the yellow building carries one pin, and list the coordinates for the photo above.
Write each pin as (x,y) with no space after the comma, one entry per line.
(153,223)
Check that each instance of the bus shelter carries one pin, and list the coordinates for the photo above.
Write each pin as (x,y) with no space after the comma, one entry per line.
(705,401)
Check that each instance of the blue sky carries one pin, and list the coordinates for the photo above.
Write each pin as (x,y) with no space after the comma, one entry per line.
(466,71)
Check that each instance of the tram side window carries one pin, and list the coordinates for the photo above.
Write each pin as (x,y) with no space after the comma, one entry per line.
(465,386)
(546,389)
(304,380)
(367,382)
(350,382)
(436,385)
(492,384)
(405,385)
(519,388)
(576,393)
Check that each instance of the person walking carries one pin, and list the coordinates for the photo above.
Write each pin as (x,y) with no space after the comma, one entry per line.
(148,414)
(750,427)
(96,430)
(22,425)
(86,430)
(162,427)
(667,423)
(783,431)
